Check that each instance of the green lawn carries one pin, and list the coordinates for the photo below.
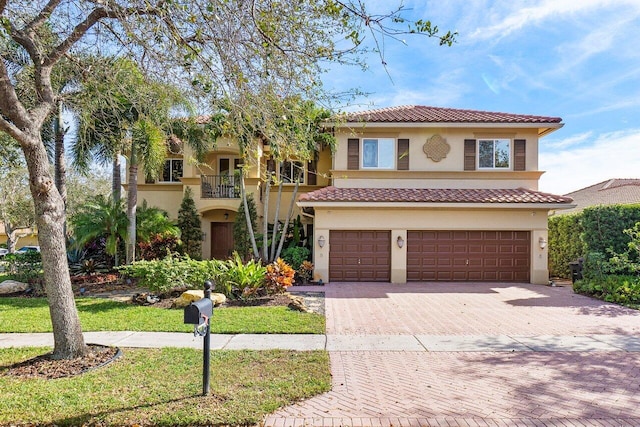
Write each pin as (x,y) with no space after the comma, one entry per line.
(163,387)
(99,314)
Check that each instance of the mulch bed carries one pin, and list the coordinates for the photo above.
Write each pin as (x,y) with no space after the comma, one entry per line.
(45,367)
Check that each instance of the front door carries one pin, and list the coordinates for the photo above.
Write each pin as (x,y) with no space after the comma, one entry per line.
(221,240)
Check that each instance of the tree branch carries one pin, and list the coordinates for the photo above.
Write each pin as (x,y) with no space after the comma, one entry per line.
(3,4)
(43,16)
(11,107)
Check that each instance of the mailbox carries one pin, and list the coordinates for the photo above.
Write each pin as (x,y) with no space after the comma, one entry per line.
(198,312)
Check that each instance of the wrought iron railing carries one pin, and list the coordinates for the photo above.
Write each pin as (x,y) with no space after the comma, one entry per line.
(219,187)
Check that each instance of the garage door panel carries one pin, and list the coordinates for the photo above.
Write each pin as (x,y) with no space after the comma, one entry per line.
(359,255)
(468,255)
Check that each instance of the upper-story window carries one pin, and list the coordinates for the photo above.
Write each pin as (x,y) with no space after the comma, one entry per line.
(172,170)
(378,153)
(291,171)
(494,154)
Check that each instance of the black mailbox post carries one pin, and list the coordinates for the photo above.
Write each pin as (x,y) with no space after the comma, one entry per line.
(199,313)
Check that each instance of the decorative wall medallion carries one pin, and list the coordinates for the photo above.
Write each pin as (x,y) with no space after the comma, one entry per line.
(436,148)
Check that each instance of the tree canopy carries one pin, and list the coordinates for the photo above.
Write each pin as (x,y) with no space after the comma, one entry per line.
(246,54)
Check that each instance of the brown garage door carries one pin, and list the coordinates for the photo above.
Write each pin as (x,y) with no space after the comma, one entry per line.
(359,256)
(484,256)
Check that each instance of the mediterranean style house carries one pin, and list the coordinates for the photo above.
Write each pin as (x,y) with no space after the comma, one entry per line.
(411,193)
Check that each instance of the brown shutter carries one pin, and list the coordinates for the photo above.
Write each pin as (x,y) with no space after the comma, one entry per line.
(469,154)
(311,173)
(403,154)
(520,154)
(353,153)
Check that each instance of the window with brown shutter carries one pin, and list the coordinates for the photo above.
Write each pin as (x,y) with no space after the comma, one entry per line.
(519,155)
(403,154)
(469,154)
(353,153)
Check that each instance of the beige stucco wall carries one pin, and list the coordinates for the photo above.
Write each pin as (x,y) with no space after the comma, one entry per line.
(401,219)
(453,162)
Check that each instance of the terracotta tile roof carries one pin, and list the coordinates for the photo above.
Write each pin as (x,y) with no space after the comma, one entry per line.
(610,192)
(422,114)
(431,195)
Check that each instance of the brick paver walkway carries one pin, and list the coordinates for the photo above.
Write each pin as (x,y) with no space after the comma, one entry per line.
(482,388)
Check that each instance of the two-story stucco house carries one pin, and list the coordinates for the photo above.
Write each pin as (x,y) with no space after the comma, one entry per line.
(411,193)
(434,194)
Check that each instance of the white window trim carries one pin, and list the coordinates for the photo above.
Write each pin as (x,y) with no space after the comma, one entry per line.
(170,160)
(493,168)
(394,145)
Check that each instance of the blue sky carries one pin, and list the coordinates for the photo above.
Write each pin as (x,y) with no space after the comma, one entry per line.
(576,59)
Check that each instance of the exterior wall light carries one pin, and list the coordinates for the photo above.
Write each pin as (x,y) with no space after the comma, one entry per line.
(400,242)
(542,242)
(321,241)
(204,236)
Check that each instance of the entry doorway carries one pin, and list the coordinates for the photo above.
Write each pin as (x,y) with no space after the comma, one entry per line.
(221,240)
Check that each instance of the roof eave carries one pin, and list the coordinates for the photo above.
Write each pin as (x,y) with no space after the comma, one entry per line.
(543,128)
(431,205)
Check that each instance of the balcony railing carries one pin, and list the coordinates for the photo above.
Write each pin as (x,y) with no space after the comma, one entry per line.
(219,187)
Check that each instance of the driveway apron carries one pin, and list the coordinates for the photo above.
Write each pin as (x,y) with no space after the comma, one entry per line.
(487,354)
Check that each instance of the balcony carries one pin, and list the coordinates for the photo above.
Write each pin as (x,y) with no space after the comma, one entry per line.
(219,187)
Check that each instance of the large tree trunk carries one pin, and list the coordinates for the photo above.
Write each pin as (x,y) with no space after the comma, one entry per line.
(50,218)
(132,203)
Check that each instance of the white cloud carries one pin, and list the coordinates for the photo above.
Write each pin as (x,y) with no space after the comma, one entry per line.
(519,16)
(612,155)
(571,141)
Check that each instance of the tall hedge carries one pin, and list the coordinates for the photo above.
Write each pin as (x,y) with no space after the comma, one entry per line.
(565,243)
(604,225)
(594,230)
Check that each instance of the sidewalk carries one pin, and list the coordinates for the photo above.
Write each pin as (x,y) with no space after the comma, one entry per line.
(347,343)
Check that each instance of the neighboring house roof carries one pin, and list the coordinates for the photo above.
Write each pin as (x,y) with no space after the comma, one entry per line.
(422,114)
(432,195)
(610,192)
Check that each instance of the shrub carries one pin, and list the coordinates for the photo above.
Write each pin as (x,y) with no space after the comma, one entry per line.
(305,272)
(237,279)
(604,227)
(26,267)
(295,256)
(565,243)
(280,276)
(171,273)
(159,246)
(620,289)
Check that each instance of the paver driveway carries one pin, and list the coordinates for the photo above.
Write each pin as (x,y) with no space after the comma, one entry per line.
(484,387)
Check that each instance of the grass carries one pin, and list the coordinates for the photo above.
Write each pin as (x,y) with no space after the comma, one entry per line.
(99,314)
(163,387)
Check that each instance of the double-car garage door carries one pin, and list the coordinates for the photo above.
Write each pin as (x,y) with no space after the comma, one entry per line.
(437,255)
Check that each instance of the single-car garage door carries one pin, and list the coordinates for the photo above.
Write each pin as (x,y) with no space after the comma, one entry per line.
(359,256)
(484,256)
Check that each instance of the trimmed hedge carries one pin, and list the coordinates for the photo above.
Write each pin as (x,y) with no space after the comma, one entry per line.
(565,244)
(603,227)
(598,229)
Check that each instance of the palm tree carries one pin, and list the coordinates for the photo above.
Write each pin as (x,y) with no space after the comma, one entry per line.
(132,115)
(101,217)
